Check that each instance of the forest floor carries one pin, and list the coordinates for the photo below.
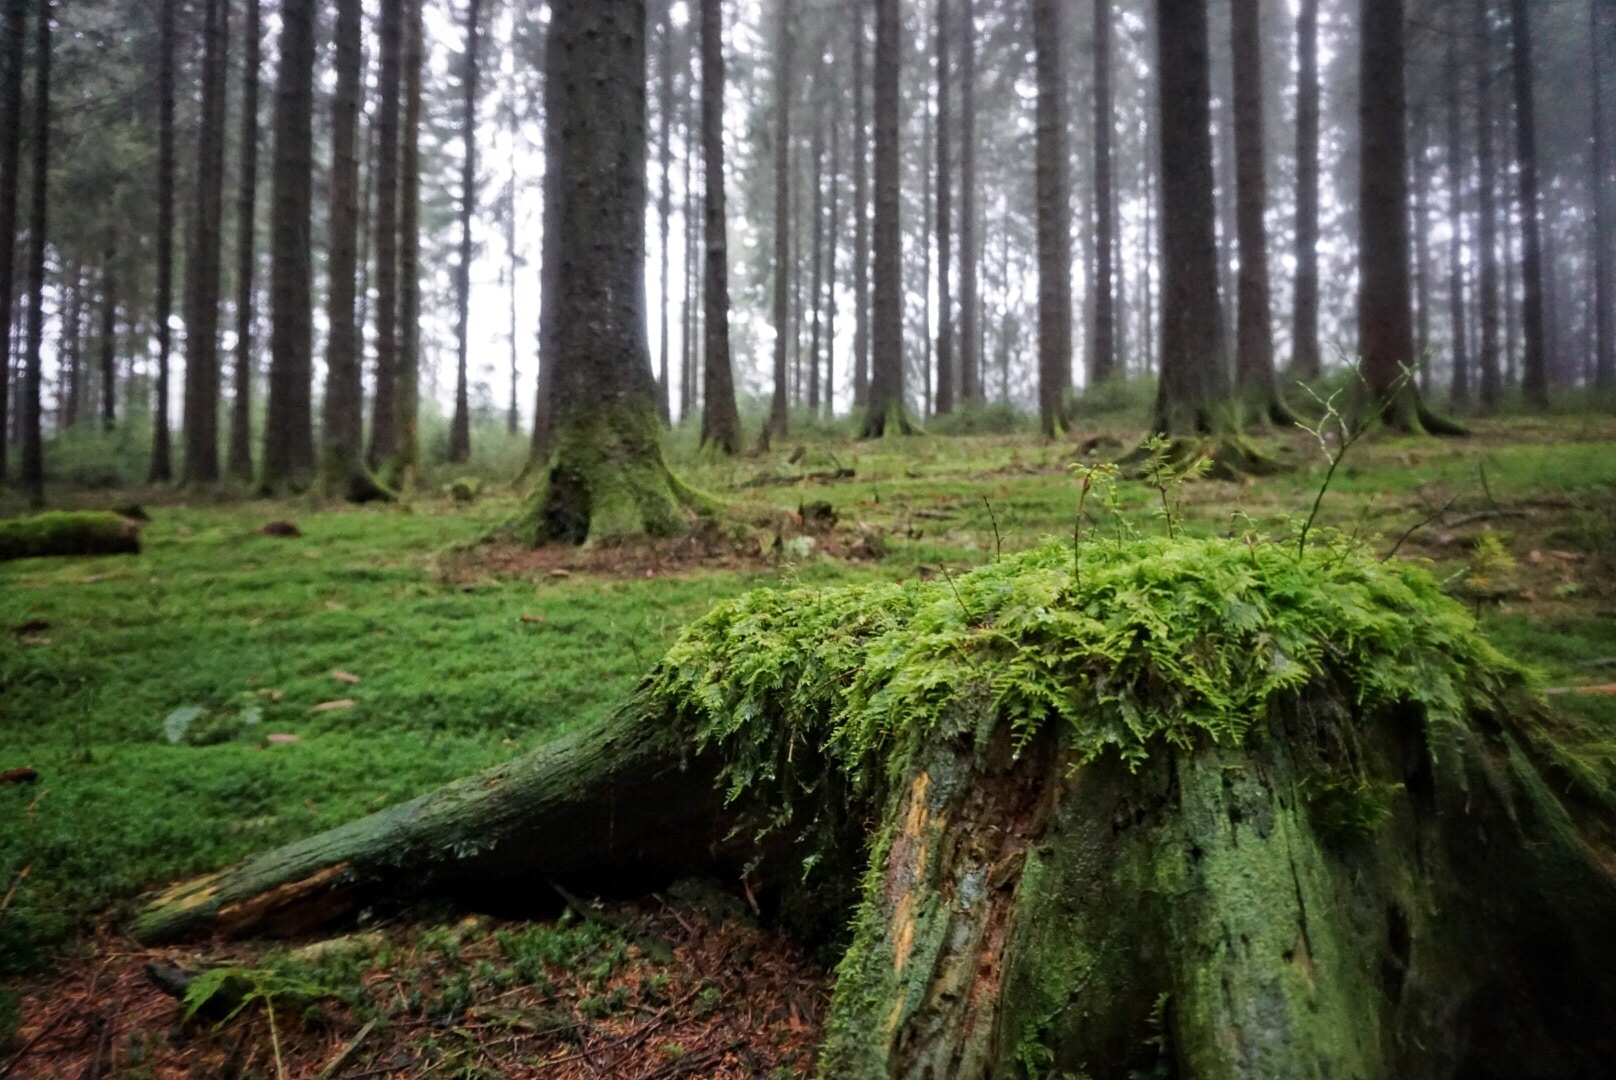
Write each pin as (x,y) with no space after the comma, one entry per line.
(227,691)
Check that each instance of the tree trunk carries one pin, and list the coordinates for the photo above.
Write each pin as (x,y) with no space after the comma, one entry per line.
(886,404)
(1103,345)
(201,420)
(162,467)
(605,477)
(460,425)
(665,99)
(33,449)
(109,333)
(779,423)
(1254,336)
(816,235)
(407,402)
(1487,205)
(1456,212)
(1305,311)
(16,29)
(944,222)
(384,397)
(1420,226)
(861,212)
(1534,364)
(1054,219)
(239,460)
(720,420)
(342,427)
(1326,891)
(1601,184)
(833,242)
(72,397)
(1192,383)
(289,424)
(692,269)
(550,267)
(970,335)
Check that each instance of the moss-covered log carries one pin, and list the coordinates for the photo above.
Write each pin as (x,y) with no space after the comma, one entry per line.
(69,532)
(1179,809)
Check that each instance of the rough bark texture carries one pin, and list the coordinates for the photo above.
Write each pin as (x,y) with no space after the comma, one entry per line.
(1254,335)
(342,428)
(202,260)
(970,335)
(238,463)
(665,99)
(32,475)
(79,532)
(1053,184)
(1193,384)
(460,424)
(16,24)
(861,212)
(407,404)
(1534,360)
(289,422)
(162,466)
(720,419)
(778,424)
(886,403)
(383,419)
(605,476)
(1103,347)
(946,381)
(1305,313)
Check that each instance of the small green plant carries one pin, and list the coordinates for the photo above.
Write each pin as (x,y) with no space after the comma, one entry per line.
(1348,807)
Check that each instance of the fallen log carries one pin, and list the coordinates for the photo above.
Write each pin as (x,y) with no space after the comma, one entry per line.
(1173,808)
(69,532)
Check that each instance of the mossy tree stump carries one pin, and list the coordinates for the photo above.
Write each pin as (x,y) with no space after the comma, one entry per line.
(1193,808)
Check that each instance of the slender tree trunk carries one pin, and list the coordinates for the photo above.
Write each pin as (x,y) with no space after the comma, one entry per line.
(664,200)
(833,244)
(1254,344)
(1534,370)
(16,29)
(407,405)
(1601,184)
(383,416)
(1054,219)
(512,413)
(886,404)
(239,459)
(1421,223)
(288,425)
(109,333)
(201,434)
(778,424)
(720,420)
(33,455)
(861,212)
(73,397)
(460,426)
(817,237)
(944,223)
(1193,382)
(162,467)
(550,268)
(1487,206)
(1305,311)
(970,335)
(342,422)
(690,347)
(1103,343)
(1456,211)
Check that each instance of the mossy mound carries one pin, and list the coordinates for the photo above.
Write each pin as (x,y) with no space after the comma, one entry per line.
(69,532)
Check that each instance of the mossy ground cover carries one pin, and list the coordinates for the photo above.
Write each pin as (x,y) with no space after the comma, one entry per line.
(456,671)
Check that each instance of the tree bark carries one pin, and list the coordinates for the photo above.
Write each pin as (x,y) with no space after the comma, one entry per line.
(779,422)
(816,234)
(1491,388)
(33,449)
(162,467)
(109,332)
(342,427)
(70,395)
(1054,219)
(1103,352)
(1305,311)
(861,212)
(1452,85)
(944,221)
(605,477)
(16,27)
(1192,383)
(665,100)
(289,423)
(201,420)
(384,397)
(720,419)
(886,401)
(407,404)
(1420,225)
(970,336)
(239,460)
(1254,337)
(1604,231)
(460,425)
(1534,362)
(833,241)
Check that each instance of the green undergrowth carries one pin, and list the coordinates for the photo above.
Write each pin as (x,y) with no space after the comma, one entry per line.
(1134,644)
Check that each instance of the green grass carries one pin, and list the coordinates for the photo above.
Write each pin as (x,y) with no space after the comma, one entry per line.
(452,678)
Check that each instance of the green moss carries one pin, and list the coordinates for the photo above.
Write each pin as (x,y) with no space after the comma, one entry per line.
(68,532)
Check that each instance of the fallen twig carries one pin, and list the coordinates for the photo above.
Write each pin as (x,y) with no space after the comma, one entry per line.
(346,1052)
